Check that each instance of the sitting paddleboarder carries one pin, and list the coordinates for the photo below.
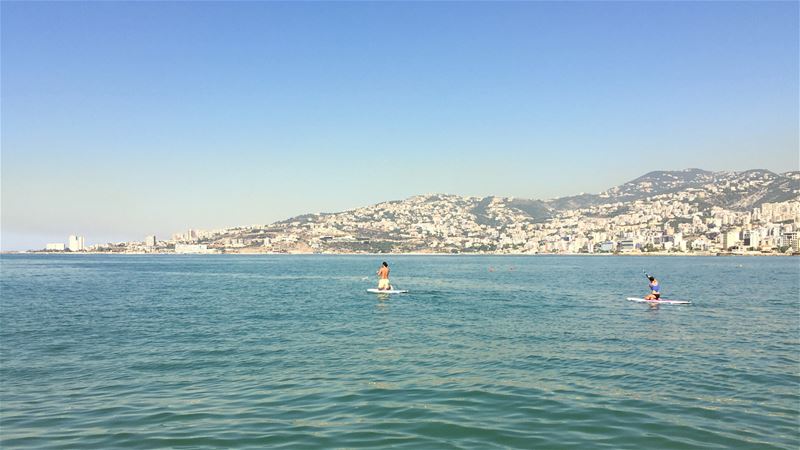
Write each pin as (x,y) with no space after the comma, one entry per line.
(383,278)
(655,288)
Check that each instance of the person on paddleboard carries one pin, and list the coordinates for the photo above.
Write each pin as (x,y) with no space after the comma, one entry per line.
(655,288)
(383,278)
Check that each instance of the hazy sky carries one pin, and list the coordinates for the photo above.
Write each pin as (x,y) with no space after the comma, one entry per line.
(126,119)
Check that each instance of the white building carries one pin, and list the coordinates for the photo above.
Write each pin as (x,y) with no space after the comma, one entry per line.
(701,244)
(777,212)
(192,248)
(790,239)
(755,238)
(76,243)
(59,247)
(730,239)
(150,241)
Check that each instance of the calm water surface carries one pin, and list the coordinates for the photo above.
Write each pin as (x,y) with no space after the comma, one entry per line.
(485,352)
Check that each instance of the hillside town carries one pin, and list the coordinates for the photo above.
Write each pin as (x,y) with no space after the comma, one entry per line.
(682,212)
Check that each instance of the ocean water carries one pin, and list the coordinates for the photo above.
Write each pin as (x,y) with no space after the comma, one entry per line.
(101,352)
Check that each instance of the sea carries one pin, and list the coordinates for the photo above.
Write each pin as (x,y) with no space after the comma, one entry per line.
(290,351)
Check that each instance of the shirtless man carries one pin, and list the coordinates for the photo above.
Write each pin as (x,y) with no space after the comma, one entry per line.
(383,278)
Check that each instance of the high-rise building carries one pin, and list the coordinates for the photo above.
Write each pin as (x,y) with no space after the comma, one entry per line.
(76,243)
(789,239)
(150,241)
(730,238)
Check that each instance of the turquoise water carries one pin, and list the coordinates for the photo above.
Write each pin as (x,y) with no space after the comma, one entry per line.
(485,352)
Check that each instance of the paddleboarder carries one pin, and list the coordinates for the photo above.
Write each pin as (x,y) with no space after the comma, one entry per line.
(383,278)
(655,288)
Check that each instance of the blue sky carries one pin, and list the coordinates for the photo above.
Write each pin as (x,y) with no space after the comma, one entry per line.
(126,119)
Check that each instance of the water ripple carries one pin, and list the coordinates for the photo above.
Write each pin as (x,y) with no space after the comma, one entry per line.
(287,352)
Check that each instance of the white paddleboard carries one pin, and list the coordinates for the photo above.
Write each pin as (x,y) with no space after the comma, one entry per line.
(393,291)
(661,301)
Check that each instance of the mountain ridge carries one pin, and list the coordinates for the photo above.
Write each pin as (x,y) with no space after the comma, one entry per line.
(693,202)
(685,210)
(654,183)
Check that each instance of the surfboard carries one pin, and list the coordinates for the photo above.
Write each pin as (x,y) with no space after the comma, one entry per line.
(661,301)
(393,291)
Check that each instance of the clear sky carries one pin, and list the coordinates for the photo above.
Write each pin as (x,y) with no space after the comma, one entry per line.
(126,119)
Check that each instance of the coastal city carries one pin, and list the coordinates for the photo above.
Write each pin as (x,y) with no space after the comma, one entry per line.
(681,212)
(400,224)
